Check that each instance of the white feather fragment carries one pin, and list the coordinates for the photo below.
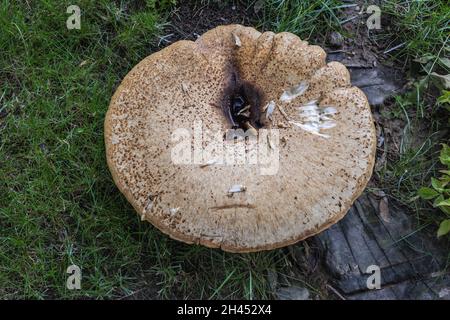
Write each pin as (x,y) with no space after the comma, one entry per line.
(327,124)
(237,40)
(269,108)
(236,188)
(329,110)
(208,163)
(311,103)
(310,127)
(315,118)
(294,92)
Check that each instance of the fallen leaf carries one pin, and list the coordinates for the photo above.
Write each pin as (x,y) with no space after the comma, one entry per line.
(444,228)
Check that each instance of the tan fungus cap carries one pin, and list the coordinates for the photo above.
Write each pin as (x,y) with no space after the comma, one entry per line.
(325,141)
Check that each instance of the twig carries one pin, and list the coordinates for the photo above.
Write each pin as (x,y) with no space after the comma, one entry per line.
(350,5)
(164,38)
(348,20)
(283,113)
(394,48)
(336,292)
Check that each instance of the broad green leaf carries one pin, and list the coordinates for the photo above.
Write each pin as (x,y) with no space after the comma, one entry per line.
(446,203)
(427,193)
(444,228)
(445,210)
(445,97)
(438,200)
(437,185)
(445,180)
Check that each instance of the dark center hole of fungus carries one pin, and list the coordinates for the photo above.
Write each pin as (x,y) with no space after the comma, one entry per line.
(243,109)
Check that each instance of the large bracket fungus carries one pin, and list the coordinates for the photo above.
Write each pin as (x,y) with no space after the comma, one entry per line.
(236,77)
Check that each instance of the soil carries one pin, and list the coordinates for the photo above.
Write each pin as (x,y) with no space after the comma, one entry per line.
(190,19)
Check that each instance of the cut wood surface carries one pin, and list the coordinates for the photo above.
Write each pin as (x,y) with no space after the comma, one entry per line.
(411,260)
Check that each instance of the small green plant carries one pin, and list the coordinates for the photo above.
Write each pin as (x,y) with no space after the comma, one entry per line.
(444,100)
(440,191)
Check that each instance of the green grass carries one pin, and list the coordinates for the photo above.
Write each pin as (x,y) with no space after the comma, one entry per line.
(422,29)
(307,19)
(58,204)
(411,162)
(420,26)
